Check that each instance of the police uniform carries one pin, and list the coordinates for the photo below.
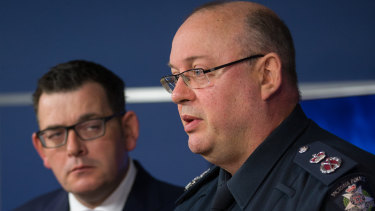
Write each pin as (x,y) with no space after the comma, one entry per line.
(299,166)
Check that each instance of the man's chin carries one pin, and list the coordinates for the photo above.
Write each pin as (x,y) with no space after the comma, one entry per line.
(83,186)
(198,146)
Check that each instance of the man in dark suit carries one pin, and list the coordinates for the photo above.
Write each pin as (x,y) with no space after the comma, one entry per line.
(85,136)
(235,85)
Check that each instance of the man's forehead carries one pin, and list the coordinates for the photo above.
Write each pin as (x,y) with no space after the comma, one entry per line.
(212,20)
(207,47)
(73,105)
(205,29)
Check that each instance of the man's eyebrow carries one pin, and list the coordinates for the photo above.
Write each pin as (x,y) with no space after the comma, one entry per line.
(170,65)
(87,116)
(80,119)
(188,60)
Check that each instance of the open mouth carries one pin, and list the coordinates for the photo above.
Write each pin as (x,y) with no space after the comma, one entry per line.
(190,123)
(188,119)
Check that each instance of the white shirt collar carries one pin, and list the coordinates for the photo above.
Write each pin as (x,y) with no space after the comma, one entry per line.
(116,201)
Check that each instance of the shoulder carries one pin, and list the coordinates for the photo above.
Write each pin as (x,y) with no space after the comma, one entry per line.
(147,181)
(158,194)
(49,201)
(344,170)
(329,160)
(324,162)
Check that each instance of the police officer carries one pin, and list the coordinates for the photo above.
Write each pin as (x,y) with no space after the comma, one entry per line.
(235,84)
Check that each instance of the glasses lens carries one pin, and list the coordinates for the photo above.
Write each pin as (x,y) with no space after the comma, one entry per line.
(53,137)
(90,129)
(168,82)
(195,78)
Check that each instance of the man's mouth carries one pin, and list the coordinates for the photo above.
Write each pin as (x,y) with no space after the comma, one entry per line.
(81,168)
(191,123)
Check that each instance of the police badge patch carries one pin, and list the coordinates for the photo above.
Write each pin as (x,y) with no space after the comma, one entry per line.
(357,199)
(353,194)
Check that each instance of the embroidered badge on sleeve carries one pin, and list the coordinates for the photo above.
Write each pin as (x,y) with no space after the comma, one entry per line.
(357,199)
(352,194)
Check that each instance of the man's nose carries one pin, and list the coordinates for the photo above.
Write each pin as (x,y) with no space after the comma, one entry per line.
(181,92)
(75,146)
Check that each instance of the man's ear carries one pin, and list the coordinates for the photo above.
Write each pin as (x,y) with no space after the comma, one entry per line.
(39,148)
(270,75)
(130,126)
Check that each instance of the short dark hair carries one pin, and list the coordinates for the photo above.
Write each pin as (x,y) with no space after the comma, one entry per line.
(72,75)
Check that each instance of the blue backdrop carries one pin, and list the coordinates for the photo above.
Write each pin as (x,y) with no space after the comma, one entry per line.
(334,41)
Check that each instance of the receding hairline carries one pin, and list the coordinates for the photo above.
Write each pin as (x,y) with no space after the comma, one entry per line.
(239,8)
(232,13)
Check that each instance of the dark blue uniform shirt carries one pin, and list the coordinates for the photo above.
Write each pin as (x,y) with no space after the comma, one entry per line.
(279,175)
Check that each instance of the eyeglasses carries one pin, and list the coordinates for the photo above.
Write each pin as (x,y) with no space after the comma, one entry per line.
(86,130)
(196,78)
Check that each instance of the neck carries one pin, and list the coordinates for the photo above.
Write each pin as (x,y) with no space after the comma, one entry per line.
(276,113)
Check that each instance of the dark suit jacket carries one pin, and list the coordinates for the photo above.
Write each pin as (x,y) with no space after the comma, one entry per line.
(146,194)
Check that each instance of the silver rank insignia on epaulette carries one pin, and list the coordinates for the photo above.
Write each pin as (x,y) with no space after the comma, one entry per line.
(196,179)
(303,149)
(323,162)
(328,166)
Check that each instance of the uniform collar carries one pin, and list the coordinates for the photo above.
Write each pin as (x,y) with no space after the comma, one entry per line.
(262,160)
(195,186)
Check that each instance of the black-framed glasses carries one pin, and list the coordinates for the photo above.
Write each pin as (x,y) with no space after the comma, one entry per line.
(85,130)
(196,78)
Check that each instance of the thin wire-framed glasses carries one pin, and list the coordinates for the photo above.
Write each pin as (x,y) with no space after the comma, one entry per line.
(196,78)
(86,130)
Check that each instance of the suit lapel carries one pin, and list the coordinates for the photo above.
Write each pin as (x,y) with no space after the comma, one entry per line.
(59,203)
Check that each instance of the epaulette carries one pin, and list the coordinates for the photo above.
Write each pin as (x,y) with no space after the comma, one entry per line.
(197,182)
(323,162)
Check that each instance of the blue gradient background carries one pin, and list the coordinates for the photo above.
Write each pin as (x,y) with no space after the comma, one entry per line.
(334,41)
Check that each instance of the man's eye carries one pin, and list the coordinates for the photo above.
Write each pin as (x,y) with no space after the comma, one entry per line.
(194,73)
(54,135)
(93,127)
(198,72)
(90,126)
